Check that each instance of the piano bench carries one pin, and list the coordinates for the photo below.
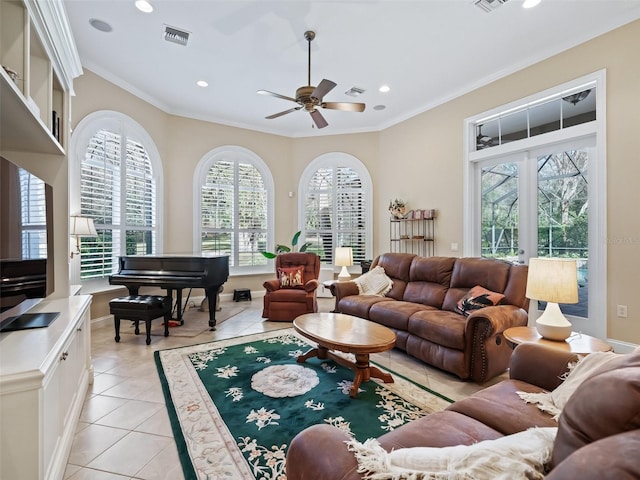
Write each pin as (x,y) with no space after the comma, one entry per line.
(241,294)
(140,308)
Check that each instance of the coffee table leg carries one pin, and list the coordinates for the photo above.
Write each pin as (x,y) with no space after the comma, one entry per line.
(321,352)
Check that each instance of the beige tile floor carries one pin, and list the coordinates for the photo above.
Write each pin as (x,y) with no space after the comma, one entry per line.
(124,431)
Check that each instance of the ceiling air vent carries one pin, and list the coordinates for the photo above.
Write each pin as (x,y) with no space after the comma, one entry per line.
(354,92)
(489,5)
(175,35)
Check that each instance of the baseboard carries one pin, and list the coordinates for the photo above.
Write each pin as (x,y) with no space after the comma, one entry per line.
(622,347)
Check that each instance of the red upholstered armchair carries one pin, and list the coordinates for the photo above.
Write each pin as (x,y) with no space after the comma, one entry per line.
(293,293)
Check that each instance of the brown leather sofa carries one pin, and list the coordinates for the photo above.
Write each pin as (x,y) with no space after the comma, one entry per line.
(421,310)
(598,430)
(283,304)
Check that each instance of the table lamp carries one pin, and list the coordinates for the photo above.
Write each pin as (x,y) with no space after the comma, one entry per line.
(344,259)
(81,227)
(553,280)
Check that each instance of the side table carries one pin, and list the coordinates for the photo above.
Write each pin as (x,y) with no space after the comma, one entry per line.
(327,284)
(578,343)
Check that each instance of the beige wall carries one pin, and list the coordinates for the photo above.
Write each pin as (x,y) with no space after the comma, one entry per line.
(420,160)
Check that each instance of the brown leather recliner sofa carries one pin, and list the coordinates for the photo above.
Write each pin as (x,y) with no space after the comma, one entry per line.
(421,310)
(598,430)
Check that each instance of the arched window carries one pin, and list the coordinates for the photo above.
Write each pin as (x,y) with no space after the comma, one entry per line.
(336,206)
(119,178)
(233,191)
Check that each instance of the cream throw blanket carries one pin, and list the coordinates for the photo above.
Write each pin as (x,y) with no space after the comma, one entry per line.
(374,282)
(518,456)
(586,367)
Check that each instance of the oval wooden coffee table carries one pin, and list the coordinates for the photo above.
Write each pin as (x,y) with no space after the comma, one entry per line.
(345,333)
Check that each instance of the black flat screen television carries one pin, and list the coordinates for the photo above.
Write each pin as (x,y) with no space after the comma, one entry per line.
(25,235)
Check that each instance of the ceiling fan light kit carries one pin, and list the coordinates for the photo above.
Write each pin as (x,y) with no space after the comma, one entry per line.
(310,98)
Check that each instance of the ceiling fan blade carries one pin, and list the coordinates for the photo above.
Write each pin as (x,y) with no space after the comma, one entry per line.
(345,106)
(318,119)
(325,87)
(279,114)
(277,95)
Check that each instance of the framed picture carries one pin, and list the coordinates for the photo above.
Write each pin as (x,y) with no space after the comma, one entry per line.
(417,215)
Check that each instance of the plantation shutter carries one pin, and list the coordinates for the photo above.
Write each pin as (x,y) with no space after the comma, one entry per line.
(101,198)
(335,212)
(234,213)
(33,216)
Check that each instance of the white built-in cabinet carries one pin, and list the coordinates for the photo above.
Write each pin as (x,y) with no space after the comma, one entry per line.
(44,374)
(34,45)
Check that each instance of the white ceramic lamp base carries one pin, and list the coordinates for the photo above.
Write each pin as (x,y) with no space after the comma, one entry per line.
(344,275)
(552,324)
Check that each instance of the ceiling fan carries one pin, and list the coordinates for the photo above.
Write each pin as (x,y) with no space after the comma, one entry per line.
(310,97)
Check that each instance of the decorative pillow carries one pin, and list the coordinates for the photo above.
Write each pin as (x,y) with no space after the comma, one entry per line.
(292,277)
(374,282)
(519,455)
(478,297)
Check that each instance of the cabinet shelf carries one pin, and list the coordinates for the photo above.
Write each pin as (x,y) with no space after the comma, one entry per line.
(22,130)
(412,235)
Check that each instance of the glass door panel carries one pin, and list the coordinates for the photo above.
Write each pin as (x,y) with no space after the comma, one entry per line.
(500,211)
(563,216)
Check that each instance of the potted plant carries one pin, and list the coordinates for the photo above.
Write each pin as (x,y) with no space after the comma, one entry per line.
(284,248)
(397,208)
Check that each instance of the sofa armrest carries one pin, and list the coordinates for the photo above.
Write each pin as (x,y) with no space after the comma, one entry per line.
(319,453)
(343,289)
(488,352)
(540,365)
(272,285)
(311,285)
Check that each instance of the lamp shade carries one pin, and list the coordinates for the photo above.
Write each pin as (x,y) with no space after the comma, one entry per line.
(343,257)
(553,280)
(82,227)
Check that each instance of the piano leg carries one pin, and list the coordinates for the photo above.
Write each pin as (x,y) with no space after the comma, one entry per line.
(179,321)
(212,297)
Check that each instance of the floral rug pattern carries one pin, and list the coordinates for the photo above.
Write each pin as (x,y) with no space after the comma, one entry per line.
(236,404)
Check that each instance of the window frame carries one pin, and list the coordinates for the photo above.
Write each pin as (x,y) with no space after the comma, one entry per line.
(334,160)
(126,127)
(236,154)
(592,131)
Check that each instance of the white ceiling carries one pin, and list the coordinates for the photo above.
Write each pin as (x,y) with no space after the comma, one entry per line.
(427,51)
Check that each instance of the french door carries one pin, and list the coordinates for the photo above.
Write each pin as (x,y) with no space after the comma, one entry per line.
(535,203)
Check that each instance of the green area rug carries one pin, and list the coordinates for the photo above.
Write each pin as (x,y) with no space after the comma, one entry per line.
(236,404)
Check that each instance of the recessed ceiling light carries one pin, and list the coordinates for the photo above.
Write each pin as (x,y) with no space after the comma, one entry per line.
(144,6)
(100,25)
(379,107)
(202,83)
(530,3)
(384,88)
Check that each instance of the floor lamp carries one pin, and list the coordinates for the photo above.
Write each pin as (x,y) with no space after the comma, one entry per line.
(81,227)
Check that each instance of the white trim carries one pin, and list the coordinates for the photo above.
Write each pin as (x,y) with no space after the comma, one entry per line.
(334,160)
(84,131)
(237,154)
(594,132)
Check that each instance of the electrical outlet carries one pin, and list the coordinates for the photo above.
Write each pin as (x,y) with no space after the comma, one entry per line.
(622,311)
(454,247)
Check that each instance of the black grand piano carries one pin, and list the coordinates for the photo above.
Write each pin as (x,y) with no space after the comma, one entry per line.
(174,272)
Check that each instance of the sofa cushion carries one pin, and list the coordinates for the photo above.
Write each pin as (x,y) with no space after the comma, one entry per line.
(476,298)
(606,404)
(468,272)
(359,305)
(395,314)
(396,266)
(500,408)
(440,327)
